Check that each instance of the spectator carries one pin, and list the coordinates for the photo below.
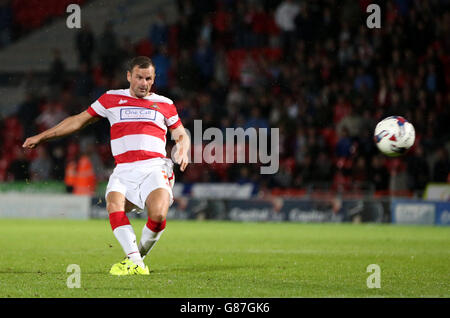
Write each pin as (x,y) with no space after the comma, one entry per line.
(57,72)
(441,167)
(352,122)
(162,65)
(41,166)
(258,19)
(88,147)
(341,109)
(83,169)
(159,30)
(244,176)
(324,167)
(186,33)
(418,169)
(285,15)
(344,144)
(363,80)
(379,174)
(206,30)
(204,59)
(222,21)
(108,50)
(249,75)
(84,83)
(27,112)
(187,73)
(398,179)
(125,52)
(6,22)
(32,85)
(304,25)
(256,121)
(360,171)
(241,27)
(221,75)
(300,145)
(52,113)
(85,44)
(283,178)
(18,169)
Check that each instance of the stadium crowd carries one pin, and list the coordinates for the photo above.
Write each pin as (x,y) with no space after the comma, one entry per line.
(313,69)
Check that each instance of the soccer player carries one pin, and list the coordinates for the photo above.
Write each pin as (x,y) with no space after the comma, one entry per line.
(143,176)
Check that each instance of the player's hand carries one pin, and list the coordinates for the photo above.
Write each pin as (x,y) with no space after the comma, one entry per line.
(184,162)
(31,142)
(181,157)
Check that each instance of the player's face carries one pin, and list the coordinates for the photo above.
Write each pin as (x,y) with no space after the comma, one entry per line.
(141,80)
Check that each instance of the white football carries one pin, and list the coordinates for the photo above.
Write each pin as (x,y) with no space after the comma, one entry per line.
(394,136)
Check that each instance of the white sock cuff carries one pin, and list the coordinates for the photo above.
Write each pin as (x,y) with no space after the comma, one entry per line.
(148,234)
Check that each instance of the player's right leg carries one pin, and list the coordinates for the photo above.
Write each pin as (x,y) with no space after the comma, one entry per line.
(124,233)
(157,203)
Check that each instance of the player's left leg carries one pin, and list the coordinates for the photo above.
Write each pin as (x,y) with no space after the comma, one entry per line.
(117,205)
(157,202)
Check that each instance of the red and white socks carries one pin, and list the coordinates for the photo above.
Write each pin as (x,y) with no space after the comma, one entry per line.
(151,233)
(124,233)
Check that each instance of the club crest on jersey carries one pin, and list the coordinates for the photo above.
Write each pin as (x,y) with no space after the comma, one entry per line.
(155,106)
(137,113)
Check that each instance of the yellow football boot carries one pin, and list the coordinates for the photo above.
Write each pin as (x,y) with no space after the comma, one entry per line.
(127,267)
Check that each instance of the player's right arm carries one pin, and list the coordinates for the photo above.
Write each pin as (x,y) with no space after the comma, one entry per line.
(66,127)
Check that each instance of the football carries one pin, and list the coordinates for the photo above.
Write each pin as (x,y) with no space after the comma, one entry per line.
(394,136)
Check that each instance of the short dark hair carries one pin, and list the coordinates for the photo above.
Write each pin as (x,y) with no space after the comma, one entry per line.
(141,62)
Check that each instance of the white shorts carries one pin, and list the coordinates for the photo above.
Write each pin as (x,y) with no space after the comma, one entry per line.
(137,180)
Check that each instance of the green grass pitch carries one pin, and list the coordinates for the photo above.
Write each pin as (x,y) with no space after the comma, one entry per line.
(224,259)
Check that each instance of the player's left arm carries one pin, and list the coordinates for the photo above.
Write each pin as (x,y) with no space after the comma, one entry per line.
(183,144)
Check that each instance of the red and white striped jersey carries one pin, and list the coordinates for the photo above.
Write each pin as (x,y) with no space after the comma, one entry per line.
(138,125)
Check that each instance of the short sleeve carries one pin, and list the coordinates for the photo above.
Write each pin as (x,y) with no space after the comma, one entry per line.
(97,109)
(172,119)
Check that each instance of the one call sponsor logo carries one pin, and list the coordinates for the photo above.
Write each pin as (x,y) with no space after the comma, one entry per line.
(137,114)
